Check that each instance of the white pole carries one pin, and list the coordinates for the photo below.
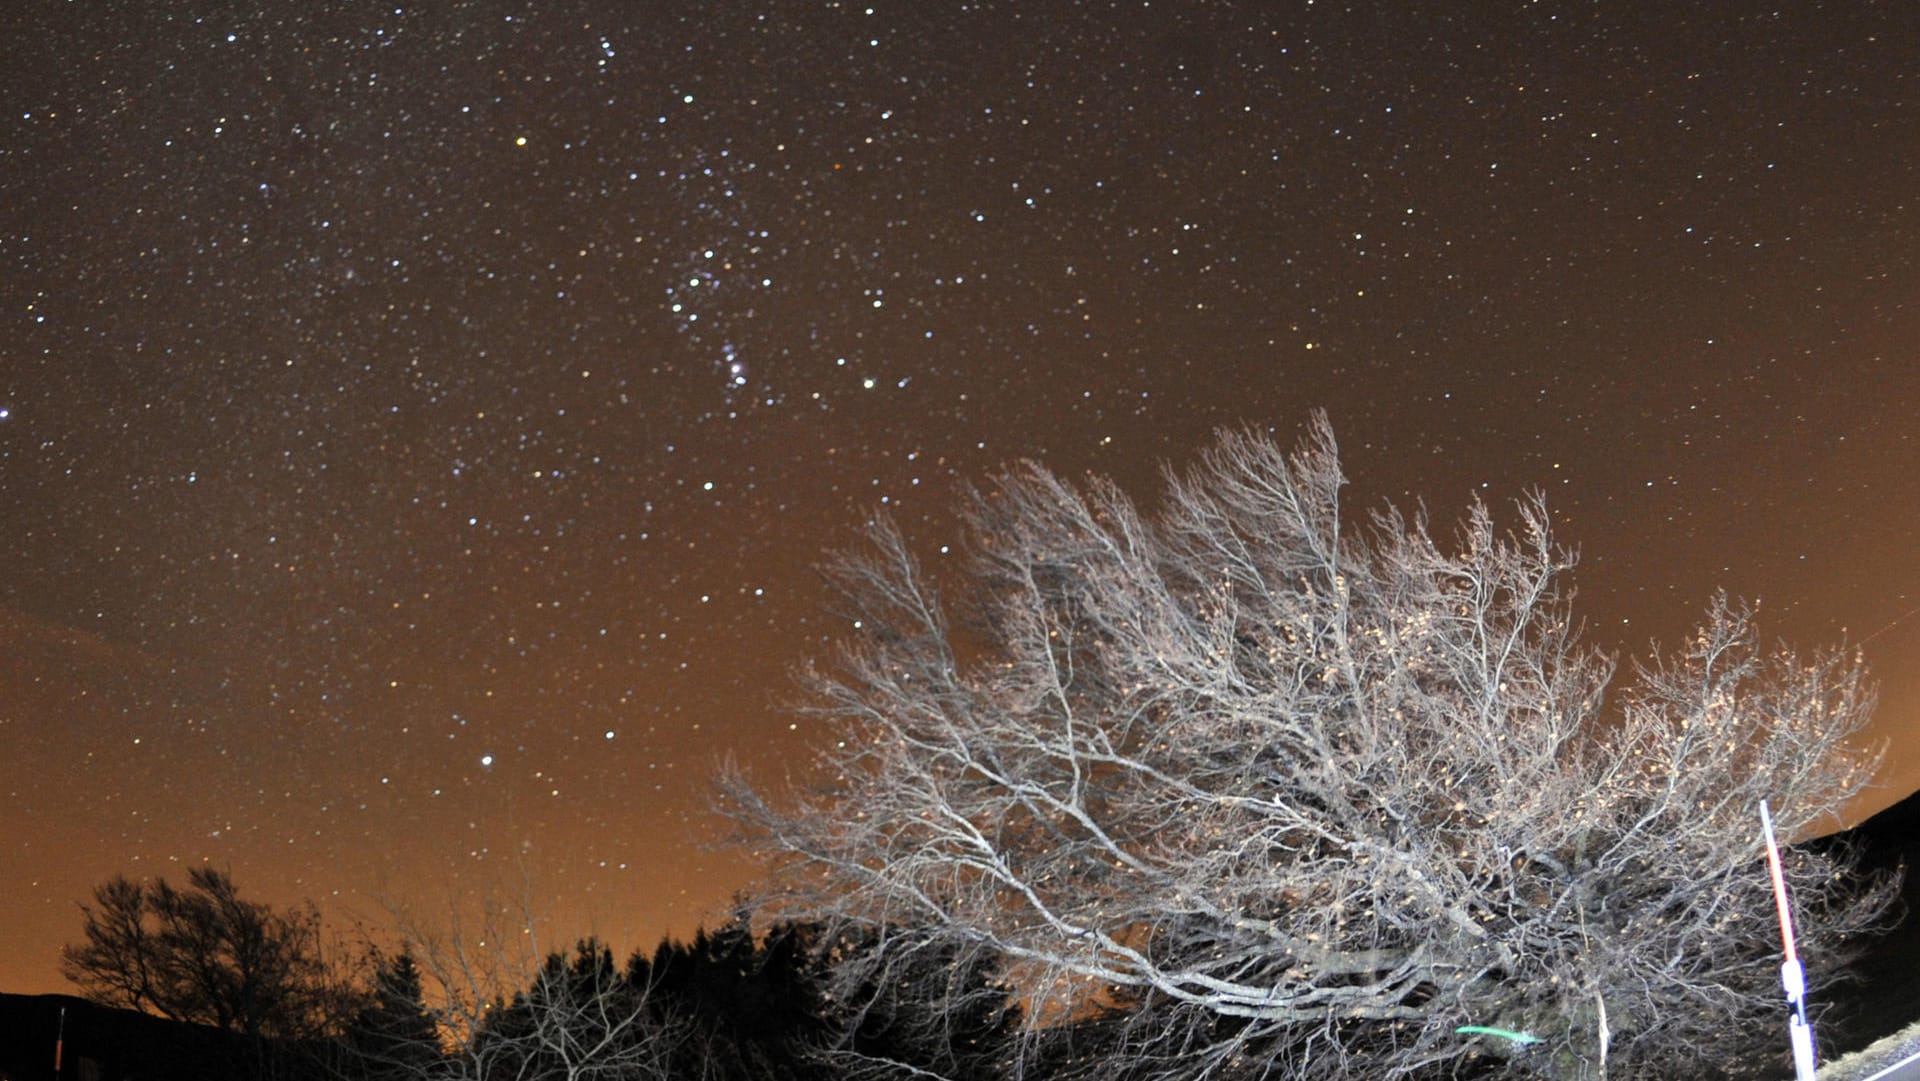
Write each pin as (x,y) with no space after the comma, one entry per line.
(1793,976)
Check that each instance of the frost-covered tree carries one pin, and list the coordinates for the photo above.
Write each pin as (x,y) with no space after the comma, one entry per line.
(1278,793)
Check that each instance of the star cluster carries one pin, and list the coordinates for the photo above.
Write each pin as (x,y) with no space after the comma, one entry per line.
(418,426)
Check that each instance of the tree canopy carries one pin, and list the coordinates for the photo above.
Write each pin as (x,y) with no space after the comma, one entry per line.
(204,954)
(1279,793)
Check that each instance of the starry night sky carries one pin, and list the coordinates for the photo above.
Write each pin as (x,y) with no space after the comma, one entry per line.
(419,426)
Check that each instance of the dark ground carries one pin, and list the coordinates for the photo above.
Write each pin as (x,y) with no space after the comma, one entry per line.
(101,1042)
(1884,996)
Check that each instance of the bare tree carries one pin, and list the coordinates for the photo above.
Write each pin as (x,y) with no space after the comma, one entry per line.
(579,1021)
(933,1011)
(1283,797)
(502,1010)
(204,954)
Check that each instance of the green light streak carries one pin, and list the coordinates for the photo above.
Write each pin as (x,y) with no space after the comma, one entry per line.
(1521,1038)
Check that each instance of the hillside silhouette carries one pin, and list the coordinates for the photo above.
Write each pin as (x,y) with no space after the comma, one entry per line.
(752,992)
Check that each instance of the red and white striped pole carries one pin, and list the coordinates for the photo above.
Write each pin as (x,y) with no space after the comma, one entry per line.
(1793,976)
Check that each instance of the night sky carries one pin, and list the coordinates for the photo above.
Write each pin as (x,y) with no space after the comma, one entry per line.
(419,428)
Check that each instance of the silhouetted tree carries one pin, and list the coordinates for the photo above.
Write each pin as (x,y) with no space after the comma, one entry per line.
(577,1021)
(751,999)
(1303,799)
(205,955)
(394,1036)
(574,1019)
(914,1007)
(731,1004)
